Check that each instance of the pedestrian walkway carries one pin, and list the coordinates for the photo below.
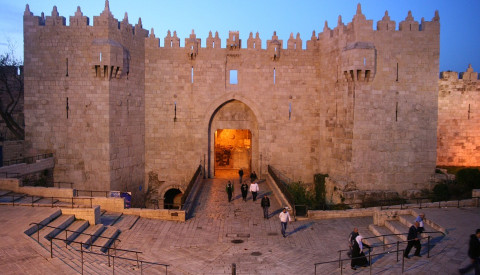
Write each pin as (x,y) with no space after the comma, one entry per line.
(220,234)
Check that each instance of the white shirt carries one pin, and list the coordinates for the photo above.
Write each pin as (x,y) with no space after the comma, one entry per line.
(254,187)
(284,217)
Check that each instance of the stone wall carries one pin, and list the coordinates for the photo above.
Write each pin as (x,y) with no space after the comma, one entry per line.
(115,107)
(458,134)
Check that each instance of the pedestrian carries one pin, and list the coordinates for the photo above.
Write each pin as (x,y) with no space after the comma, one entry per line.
(351,241)
(413,240)
(473,254)
(244,189)
(240,174)
(254,189)
(420,219)
(358,256)
(265,203)
(229,189)
(253,176)
(284,220)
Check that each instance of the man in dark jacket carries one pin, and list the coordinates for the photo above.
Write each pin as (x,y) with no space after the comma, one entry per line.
(473,254)
(229,189)
(265,203)
(413,240)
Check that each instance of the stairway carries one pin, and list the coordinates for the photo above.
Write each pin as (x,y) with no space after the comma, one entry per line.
(93,240)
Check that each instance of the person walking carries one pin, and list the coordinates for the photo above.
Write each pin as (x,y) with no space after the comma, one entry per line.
(284,220)
(254,189)
(240,174)
(244,189)
(351,241)
(413,240)
(420,219)
(358,256)
(473,254)
(253,176)
(229,189)
(265,203)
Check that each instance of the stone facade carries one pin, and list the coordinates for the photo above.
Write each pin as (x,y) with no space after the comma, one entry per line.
(115,107)
(459,119)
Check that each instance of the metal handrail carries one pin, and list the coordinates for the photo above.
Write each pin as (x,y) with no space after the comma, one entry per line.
(27,159)
(92,192)
(66,231)
(283,187)
(8,174)
(54,200)
(59,183)
(340,261)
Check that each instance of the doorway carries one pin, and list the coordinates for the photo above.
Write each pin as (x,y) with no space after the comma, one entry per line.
(173,199)
(233,151)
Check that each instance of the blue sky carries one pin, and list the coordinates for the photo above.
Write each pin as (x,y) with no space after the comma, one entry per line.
(459,19)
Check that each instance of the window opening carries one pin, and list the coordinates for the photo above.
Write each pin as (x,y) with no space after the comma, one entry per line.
(66,65)
(397,72)
(192,75)
(289,111)
(100,57)
(233,77)
(274,75)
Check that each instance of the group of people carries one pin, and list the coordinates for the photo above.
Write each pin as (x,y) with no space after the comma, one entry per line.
(284,216)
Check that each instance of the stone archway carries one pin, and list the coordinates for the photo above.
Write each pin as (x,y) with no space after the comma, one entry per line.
(172,199)
(233,139)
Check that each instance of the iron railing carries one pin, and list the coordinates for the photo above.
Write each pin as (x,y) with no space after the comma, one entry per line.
(282,185)
(27,160)
(53,200)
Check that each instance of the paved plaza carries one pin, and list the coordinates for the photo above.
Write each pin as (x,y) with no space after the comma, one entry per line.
(221,234)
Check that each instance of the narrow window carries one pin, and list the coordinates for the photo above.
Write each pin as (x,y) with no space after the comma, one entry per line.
(364,61)
(295,45)
(66,65)
(213,45)
(397,72)
(396,111)
(233,77)
(254,45)
(100,57)
(67,107)
(274,75)
(468,111)
(289,111)
(18,71)
(192,74)
(171,44)
(234,38)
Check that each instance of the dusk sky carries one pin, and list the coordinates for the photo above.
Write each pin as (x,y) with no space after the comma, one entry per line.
(459,20)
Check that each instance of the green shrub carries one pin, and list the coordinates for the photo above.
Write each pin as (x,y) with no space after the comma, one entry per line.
(468,179)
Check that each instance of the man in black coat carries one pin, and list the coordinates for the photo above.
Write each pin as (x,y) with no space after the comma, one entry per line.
(413,240)
(265,203)
(473,254)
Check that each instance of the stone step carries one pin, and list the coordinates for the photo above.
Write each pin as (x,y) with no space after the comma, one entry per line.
(11,197)
(60,224)
(94,231)
(108,236)
(74,230)
(408,221)
(382,230)
(397,227)
(33,228)
(126,222)
(110,218)
(28,200)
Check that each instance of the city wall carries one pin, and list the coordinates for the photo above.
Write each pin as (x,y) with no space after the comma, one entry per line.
(115,107)
(458,138)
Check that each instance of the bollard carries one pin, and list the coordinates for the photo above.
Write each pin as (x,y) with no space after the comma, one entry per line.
(234,269)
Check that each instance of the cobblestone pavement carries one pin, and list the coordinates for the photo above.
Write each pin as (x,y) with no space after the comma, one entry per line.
(203,244)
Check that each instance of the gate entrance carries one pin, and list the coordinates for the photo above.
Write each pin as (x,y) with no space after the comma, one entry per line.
(233,150)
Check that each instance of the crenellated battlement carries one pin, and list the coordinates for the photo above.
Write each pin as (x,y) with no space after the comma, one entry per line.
(359,29)
(469,75)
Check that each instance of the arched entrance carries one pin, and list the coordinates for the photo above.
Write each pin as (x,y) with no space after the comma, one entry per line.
(233,140)
(172,199)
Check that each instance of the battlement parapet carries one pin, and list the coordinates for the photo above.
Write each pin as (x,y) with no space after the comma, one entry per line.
(360,29)
(105,19)
(469,75)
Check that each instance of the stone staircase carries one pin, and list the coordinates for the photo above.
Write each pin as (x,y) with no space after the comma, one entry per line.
(93,240)
(399,224)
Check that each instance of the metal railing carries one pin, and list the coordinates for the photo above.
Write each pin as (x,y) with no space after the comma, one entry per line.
(53,200)
(90,193)
(27,159)
(8,175)
(282,185)
(59,184)
(340,260)
(190,185)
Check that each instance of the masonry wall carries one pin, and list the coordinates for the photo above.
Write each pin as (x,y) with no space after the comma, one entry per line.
(358,104)
(459,119)
(80,103)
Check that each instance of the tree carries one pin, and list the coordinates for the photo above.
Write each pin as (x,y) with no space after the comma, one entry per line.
(11,94)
